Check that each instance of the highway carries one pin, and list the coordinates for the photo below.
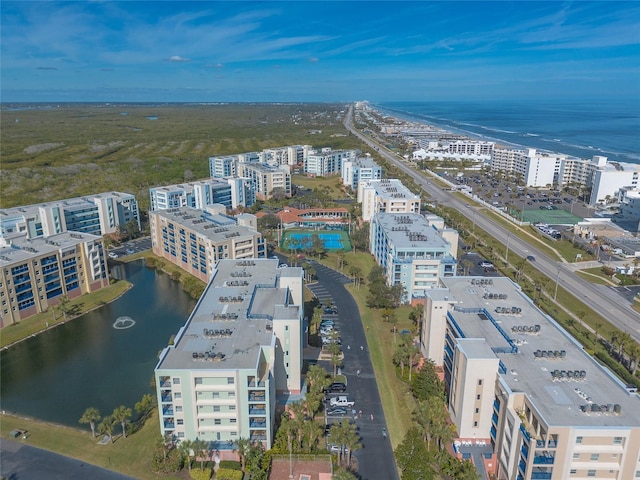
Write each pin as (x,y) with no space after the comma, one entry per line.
(600,299)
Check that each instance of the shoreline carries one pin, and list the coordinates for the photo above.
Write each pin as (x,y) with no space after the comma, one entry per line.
(69,319)
(575,150)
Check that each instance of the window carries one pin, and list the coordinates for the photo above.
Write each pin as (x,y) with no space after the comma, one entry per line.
(233,420)
(178,408)
(230,380)
(215,394)
(198,380)
(578,440)
(217,421)
(573,471)
(617,440)
(177,395)
(216,408)
(475,424)
(180,434)
(591,473)
(477,410)
(478,397)
(576,456)
(232,408)
(180,421)
(286,328)
(479,382)
(231,395)
(176,381)
(595,457)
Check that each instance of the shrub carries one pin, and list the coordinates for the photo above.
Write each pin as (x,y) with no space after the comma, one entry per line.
(228,474)
(230,464)
(172,464)
(198,474)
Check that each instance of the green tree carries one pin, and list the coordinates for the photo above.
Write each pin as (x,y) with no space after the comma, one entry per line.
(343,474)
(146,404)
(243,446)
(131,227)
(106,427)
(63,306)
(317,379)
(186,448)
(201,449)
(412,457)
(91,415)
(426,383)
(122,415)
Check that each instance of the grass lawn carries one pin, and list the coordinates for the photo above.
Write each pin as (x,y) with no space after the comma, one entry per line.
(130,456)
(595,275)
(77,307)
(331,184)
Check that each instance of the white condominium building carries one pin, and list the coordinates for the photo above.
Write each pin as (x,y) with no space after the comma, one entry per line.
(515,379)
(412,252)
(360,170)
(36,273)
(230,192)
(265,179)
(99,214)
(291,155)
(327,161)
(196,240)
(538,169)
(241,344)
(386,195)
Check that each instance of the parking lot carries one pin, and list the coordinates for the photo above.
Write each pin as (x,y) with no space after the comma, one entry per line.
(130,248)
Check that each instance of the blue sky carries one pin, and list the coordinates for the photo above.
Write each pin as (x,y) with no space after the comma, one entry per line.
(317,51)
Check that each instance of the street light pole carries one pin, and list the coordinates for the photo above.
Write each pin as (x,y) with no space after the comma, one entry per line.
(555,295)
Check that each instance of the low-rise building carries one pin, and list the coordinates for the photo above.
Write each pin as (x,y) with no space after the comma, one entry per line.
(196,240)
(412,251)
(386,195)
(241,345)
(515,379)
(104,213)
(313,218)
(36,273)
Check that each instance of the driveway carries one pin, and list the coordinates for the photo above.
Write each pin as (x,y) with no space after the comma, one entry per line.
(375,460)
(20,461)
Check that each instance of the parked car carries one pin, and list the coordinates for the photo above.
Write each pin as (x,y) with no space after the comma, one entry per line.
(336,387)
(130,251)
(485,264)
(334,412)
(341,401)
(337,448)
(113,255)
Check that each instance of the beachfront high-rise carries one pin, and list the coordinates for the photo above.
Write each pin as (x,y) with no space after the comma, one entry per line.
(361,169)
(35,273)
(412,252)
(241,345)
(518,381)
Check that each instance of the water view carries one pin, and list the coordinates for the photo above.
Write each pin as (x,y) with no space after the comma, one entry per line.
(100,360)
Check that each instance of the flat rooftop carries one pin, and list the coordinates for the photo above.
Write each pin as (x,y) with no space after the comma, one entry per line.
(391,188)
(217,227)
(30,210)
(234,318)
(410,230)
(542,347)
(22,249)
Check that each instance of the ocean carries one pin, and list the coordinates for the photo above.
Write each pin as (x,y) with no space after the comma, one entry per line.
(582,129)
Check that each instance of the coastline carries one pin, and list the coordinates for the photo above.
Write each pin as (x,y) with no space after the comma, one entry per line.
(518,129)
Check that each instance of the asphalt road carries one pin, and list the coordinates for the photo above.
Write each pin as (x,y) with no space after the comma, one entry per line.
(602,300)
(375,459)
(24,462)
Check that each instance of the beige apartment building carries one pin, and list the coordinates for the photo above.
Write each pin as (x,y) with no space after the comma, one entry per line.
(36,273)
(196,240)
(386,195)
(519,382)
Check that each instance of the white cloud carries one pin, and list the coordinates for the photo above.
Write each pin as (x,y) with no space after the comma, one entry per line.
(177,58)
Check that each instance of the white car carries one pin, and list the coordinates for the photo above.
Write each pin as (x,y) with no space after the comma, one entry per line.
(485,264)
(341,401)
(113,255)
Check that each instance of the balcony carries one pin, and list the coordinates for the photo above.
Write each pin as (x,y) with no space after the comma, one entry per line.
(167,398)
(493,432)
(257,423)
(257,396)
(525,433)
(494,419)
(541,475)
(539,443)
(543,460)
(524,451)
(167,411)
(496,405)
(257,410)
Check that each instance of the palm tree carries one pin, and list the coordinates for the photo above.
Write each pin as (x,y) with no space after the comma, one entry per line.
(243,446)
(201,449)
(317,378)
(91,415)
(596,327)
(106,426)
(312,432)
(122,415)
(186,447)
